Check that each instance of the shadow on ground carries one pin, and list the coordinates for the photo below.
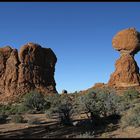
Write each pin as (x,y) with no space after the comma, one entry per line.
(55,130)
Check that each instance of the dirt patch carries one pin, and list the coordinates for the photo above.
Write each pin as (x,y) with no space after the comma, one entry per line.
(50,128)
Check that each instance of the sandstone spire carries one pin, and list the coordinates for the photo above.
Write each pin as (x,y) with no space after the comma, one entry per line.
(126,74)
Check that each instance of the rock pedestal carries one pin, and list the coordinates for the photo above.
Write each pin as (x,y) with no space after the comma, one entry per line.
(126,74)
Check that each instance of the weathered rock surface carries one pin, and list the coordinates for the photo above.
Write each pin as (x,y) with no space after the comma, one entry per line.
(127,42)
(99,85)
(126,73)
(31,69)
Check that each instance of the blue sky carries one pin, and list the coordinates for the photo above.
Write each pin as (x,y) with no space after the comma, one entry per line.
(80,34)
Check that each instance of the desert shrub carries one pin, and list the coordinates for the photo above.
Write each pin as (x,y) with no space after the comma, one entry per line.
(101,106)
(109,101)
(130,94)
(35,101)
(52,100)
(128,100)
(123,106)
(13,109)
(17,119)
(21,109)
(62,107)
(131,117)
(86,135)
(3,118)
(89,104)
(5,109)
(98,103)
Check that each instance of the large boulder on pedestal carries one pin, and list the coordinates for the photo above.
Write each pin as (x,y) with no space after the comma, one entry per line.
(126,74)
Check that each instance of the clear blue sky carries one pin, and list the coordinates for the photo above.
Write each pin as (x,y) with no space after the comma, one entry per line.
(80,34)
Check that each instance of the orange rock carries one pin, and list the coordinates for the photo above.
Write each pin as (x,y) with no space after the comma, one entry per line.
(126,73)
(127,70)
(127,40)
(32,69)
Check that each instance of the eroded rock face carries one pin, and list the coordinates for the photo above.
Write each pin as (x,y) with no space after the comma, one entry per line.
(126,73)
(127,40)
(31,69)
(127,70)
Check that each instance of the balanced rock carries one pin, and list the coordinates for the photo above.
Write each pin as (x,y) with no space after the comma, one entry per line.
(127,42)
(31,69)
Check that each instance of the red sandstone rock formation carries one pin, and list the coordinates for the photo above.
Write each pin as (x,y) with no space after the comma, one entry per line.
(31,69)
(127,42)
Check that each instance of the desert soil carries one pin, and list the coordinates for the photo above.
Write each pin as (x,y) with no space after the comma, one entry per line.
(49,128)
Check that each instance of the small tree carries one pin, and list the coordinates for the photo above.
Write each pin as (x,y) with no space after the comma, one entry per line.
(62,107)
(90,104)
(99,103)
(109,101)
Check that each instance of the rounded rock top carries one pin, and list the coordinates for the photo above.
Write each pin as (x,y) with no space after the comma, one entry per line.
(127,40)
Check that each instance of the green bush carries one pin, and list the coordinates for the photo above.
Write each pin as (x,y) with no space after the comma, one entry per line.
(128,100)
(109,101)
(32,102)
(17,119)
(13,109)
(35,101)
(5,109)
(62,107)
(98,103)
(22,109)
(131,94)
(89,104)
(131,117)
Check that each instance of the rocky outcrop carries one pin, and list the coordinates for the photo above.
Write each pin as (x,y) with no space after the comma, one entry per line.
(127,42)
(31,69)
(99,85)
